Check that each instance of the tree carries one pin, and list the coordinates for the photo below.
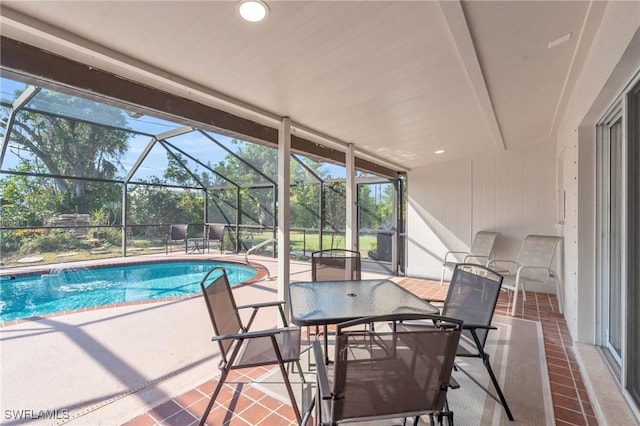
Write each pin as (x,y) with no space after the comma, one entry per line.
(68,148)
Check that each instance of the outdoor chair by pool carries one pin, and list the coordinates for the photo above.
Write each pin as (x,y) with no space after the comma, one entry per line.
(472,297)
(177,234)
(215,234)
(480,252)
(241,347)
(388,373)
(334,265)
(533,265)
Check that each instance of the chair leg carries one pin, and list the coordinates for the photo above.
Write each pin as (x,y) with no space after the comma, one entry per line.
(287,384)
(500,398)
(214,395)
(326,344)
(515,299)
(442,276)
(496,385)
(300,372)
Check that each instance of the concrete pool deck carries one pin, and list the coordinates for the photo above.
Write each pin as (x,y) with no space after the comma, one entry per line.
(153,364)
(106,366)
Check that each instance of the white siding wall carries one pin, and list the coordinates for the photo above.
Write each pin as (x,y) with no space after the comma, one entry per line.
(610,65)
(512,193)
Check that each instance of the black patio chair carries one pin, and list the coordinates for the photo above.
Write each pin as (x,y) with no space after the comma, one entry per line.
(215,233)
(334,265)
(177,233)
(472,297)
(242,348)
(387,373)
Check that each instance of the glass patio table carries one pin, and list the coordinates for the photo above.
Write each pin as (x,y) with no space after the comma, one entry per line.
(315,303)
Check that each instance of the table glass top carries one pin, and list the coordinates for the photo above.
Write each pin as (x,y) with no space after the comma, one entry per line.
(331,302)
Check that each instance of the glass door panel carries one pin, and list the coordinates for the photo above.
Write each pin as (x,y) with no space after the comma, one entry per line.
(614,332)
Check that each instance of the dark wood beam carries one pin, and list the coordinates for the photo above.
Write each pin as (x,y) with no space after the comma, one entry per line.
(46,69)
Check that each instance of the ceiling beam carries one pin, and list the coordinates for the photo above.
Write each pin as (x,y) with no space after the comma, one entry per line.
(454,15)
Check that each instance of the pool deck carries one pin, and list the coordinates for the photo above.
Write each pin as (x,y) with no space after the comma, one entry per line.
(153,363)
(106,366)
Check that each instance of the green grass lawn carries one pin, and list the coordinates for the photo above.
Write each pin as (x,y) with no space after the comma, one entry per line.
(299,242)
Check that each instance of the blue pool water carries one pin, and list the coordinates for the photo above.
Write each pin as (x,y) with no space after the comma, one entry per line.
(27,296)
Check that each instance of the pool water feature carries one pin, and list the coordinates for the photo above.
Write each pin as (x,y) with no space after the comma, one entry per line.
(68,289)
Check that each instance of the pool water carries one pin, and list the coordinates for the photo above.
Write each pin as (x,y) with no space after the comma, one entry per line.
(27,296)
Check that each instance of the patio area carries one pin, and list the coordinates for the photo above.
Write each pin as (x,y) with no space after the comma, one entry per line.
(153,363)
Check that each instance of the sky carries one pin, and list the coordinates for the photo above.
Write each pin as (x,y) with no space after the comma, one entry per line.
(155,163)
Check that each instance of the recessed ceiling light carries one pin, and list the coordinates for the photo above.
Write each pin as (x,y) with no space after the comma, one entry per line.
(253,10)
(559,40)
(440,151)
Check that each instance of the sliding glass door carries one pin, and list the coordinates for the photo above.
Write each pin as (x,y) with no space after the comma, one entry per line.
(618,231)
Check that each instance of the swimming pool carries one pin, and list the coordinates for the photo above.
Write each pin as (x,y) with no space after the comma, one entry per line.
(69,289)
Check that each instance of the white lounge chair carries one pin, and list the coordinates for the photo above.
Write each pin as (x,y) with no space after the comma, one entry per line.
(532,265)
(480,252)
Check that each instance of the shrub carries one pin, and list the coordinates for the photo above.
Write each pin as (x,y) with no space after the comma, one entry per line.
(53,240)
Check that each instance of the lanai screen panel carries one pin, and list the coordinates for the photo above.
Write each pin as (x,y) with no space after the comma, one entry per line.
(156,205)
(262,159)
(10,90)
(222,205)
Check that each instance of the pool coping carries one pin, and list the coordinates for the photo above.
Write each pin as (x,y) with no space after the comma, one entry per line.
(261,273)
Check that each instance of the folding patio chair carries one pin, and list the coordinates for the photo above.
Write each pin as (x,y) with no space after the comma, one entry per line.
(533,265)
(472,297)
(242,348)
(177,233)
(334,265)
(387,373)
(480,252)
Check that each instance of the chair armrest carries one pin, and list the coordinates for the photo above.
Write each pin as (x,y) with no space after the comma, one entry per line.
(522,268)
(261,305)
(495,262)
(474,326)
(466,253)
(544,268)
(248,334)
(477,257)
(257,306)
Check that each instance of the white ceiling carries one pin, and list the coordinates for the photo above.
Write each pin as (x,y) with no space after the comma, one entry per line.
(397,79)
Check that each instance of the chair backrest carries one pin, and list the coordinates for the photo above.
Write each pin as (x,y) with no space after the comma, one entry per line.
(335,265)
(216,231)
(221,306)
(178,232)
(483,243)
(472,297)
(537,251)
(392,370)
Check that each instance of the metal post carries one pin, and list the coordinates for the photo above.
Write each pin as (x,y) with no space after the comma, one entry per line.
(238,207)
(274,223)
(394,236)
(351,230)
(284,207)
(321,208)
(125,208)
